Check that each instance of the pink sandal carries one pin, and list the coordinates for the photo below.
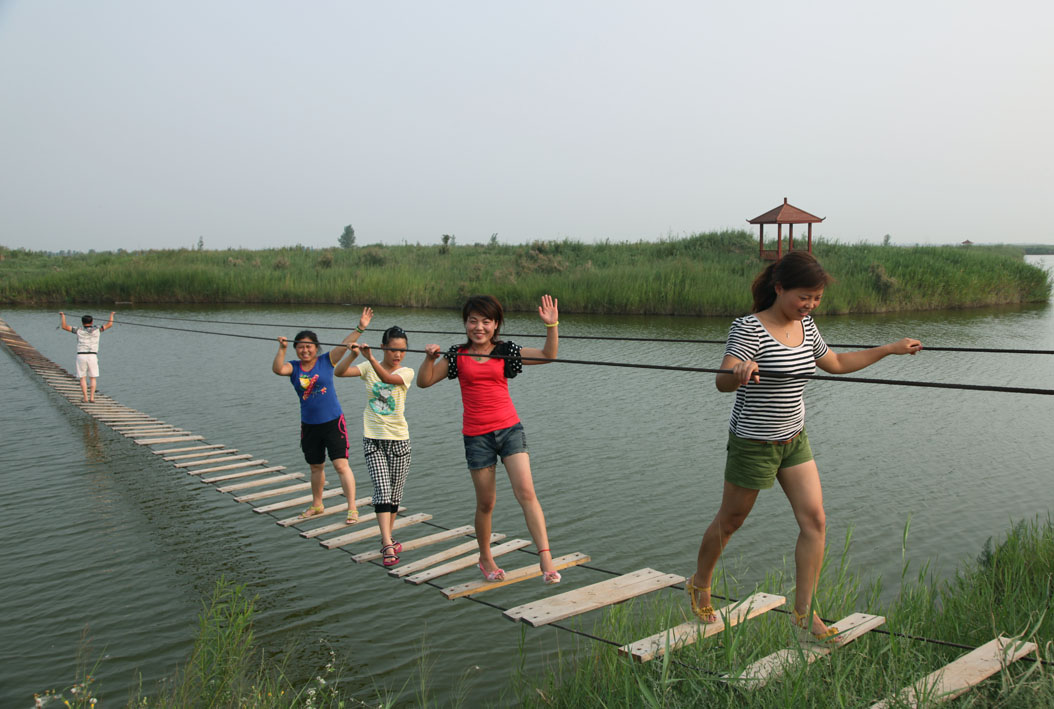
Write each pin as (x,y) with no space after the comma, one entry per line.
(496,575)
(389,558)
(549,577)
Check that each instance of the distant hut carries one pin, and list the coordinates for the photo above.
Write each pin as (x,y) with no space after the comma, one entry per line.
(967,243)
(783,214)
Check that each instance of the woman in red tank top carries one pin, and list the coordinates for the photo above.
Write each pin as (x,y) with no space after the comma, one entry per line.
(491,426)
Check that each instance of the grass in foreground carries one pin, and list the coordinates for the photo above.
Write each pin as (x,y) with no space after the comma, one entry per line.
(1007,590)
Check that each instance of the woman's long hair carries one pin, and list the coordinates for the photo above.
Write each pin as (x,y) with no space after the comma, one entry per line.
(487,306)
(798,269)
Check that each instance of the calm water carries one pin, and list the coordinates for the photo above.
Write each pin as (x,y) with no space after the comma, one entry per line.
(104,541)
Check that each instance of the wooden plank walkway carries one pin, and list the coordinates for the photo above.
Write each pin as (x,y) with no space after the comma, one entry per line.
(772,666)
(955,678)
(687,633)
(588,598)
(198,457)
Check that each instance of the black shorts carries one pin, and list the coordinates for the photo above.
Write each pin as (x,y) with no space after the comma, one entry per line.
(318,438)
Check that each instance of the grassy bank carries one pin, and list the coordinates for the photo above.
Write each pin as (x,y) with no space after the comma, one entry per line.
(1007,590)
(705,274)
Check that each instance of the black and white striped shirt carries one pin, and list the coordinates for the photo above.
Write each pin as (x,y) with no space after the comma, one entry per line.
(772,409)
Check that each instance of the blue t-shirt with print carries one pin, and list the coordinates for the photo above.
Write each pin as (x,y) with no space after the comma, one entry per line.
(314,388)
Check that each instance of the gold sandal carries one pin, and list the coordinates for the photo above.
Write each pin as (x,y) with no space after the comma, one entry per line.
(803,625)
(313,511)
(353,516)
(706,613)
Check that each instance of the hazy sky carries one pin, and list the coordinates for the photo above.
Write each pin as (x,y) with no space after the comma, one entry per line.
(256,123)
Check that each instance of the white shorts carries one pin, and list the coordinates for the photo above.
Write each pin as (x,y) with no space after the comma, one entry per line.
(87,365)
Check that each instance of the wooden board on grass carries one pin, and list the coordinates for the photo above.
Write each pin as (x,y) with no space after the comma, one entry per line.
(243,474)
(514,576)
(465,562)
(439,557)
(958,676)
(262,481)
(373,531)
(768,668)
(687,633)
(335,509)
(588,598)
(417,543)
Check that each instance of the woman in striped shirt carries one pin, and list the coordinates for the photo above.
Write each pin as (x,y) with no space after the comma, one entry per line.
(767,440)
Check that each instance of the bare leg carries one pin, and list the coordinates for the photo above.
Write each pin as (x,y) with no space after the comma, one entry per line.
(384,522)
(736,503)
(94,382)
(318,482)
(518,466)
(84,388)
(486,495)
(347,481)
(801,484)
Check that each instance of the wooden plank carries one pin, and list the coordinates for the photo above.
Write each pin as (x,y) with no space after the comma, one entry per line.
(258,483)
(174,439)
(232,466)
(212,461)
(439,557)
(465,562)
(588,598)
(264,494)
(297,501)
(199,454)
(399,523)
(514,576)
(339,526)
(955,678)
(768,668)
(335,509)
(687,633)
(243,474)
(190,448)
(147,428)
(417,543)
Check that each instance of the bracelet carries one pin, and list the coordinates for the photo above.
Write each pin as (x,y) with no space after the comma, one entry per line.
(359,330)
(552,324)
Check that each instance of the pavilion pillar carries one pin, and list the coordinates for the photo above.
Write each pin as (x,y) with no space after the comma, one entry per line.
(790,237)
(810,237)
(779,241)
(761,242)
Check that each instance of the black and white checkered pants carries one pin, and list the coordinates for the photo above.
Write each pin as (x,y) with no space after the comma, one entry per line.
(389,464)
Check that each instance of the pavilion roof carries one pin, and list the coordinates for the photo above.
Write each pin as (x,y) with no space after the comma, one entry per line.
(786,214)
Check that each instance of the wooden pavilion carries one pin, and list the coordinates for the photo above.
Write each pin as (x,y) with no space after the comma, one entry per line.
(784,214)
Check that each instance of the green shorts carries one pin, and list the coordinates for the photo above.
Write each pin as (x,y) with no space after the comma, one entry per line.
(754,464)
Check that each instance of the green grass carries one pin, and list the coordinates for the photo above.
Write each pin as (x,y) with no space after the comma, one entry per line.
(704,274)
(1006,591)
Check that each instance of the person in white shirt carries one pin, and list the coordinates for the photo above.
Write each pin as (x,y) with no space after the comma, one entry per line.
(87,351)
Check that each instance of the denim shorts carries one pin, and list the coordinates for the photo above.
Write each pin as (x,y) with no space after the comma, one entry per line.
(484,450)
(754,464)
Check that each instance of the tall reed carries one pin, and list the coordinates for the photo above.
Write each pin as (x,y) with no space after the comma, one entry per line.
(704,274)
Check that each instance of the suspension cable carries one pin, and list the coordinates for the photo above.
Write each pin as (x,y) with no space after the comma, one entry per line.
(611,338)
(676,368)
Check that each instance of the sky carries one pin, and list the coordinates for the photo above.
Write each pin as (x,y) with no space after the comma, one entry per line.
(258,123)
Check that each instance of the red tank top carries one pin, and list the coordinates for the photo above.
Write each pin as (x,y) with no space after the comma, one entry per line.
(485,396)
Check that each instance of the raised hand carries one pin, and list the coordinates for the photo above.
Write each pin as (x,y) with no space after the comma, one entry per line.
(282,342)
(365,318)
(907,345)
(548,311)
(432,351)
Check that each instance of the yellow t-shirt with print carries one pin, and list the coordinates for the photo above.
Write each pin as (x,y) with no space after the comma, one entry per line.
(383,418)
